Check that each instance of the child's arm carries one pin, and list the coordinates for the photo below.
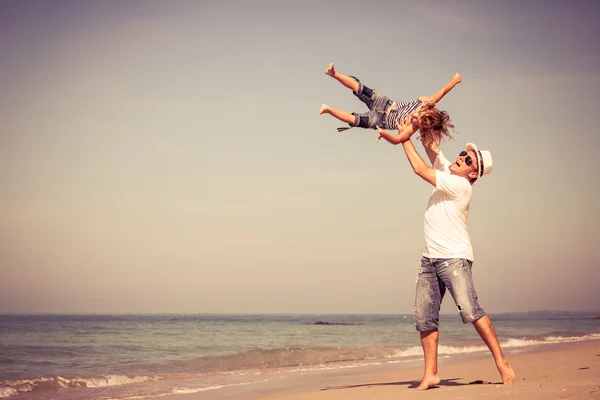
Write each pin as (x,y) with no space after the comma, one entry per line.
(405,131)
(456,79)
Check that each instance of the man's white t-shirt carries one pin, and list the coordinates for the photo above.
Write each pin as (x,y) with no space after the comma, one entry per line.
(446,234)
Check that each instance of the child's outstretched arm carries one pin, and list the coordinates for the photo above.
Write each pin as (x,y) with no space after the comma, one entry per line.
(437,96)
(405,131)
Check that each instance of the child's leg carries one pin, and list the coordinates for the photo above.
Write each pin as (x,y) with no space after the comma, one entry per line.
(343,116)
(345,80)
(364,94)
(368,120)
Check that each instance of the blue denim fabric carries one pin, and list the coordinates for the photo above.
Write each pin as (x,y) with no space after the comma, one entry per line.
(377,105)
(437,275)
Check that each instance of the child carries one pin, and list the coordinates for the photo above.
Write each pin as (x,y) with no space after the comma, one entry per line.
(383,112)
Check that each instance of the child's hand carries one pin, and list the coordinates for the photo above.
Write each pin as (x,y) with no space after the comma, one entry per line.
(379,131)
(427,101)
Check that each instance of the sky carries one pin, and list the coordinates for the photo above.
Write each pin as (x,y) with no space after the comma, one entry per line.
(168,157)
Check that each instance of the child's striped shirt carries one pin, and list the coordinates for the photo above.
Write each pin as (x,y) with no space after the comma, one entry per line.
(403,108)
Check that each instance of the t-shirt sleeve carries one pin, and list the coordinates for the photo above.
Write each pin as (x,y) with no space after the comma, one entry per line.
(455,186)
(441,163)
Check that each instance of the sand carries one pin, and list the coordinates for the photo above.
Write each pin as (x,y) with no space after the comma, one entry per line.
(569,371)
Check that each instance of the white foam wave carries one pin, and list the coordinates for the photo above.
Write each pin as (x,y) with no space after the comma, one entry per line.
(410,352)
(510,343)
(169,393)
(184,391)
(592,336)
(116,380)
(189,391)
(417,351)
(550,340)
(14,387)
(7,392)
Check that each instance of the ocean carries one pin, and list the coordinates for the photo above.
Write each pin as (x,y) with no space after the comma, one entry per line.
(218,357)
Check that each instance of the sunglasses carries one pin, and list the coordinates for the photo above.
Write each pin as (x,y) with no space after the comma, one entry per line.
(468,159)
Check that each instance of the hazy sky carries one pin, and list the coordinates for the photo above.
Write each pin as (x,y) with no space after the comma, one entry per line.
(168,156)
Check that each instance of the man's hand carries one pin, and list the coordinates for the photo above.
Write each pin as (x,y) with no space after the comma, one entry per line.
(404,122)
(405,130)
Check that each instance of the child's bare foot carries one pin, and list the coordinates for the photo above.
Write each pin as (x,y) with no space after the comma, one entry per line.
(457,78)
(507,373)
(428,382)
(324,109)
(330,70)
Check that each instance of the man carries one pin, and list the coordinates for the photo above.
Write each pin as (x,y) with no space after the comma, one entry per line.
(448,255)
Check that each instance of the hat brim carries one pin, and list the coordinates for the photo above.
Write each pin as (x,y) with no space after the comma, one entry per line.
(473,147)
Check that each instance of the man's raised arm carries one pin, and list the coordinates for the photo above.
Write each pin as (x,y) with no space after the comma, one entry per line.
(432,152)
(418,164)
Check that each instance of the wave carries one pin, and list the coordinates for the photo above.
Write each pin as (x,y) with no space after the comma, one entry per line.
(47,384)
(323,356)
(15,387)
(508,344)
(261,359)
(172,391)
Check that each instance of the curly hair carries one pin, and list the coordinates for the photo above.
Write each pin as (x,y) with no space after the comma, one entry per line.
(434,125)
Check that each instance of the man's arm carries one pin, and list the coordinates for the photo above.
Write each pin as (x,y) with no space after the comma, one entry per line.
(437,96)
(418,164)
(432,152)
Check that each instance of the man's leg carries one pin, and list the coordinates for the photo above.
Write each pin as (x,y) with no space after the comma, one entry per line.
(429,342)
(486,330)
(345,80)
(344,116)
(456,275)
(428,298)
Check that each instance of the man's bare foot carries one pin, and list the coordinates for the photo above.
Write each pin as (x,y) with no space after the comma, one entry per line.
(507,373)
(324,109)
(330,70)
(428,382)
(457,78)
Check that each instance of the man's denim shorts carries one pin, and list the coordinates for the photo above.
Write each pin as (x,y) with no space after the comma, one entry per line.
(435,276)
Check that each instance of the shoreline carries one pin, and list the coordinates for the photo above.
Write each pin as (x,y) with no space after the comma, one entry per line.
(567,371)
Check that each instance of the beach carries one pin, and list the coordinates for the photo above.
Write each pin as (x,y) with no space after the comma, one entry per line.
(570,371)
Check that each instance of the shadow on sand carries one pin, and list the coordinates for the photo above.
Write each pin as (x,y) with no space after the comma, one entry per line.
(412,384)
